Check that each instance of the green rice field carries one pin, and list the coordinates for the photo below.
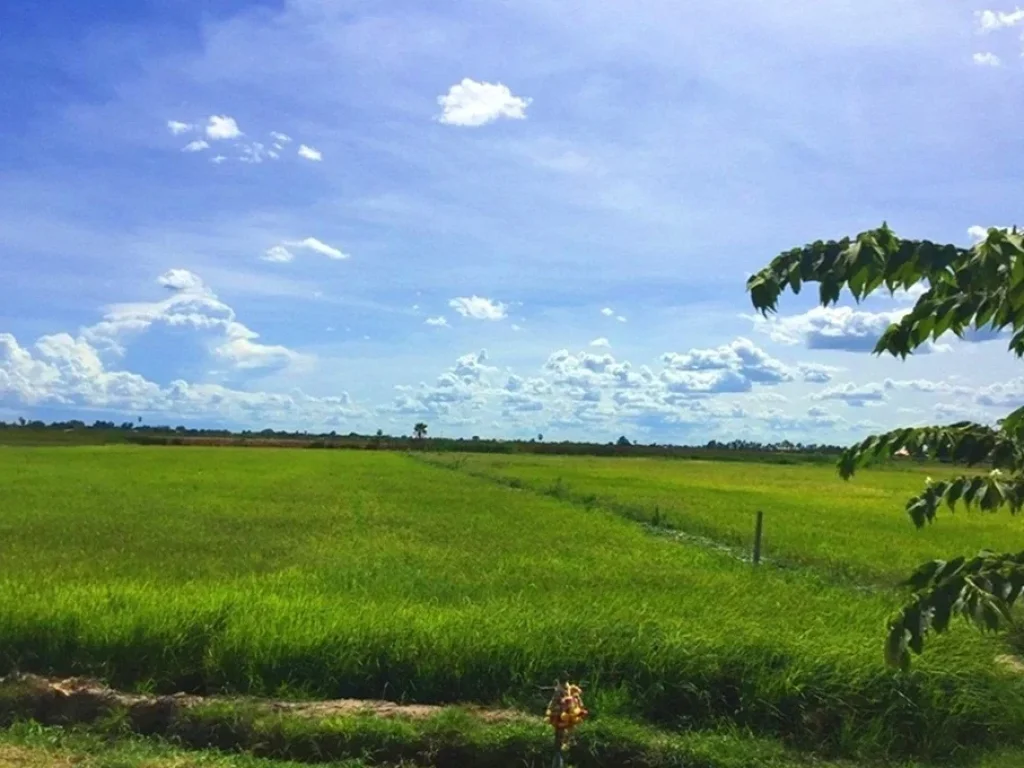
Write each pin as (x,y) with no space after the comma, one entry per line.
(855,529)
(380,575)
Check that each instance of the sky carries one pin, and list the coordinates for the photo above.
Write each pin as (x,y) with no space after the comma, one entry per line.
(500,218)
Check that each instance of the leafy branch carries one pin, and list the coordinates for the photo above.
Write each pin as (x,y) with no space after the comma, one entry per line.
(978,287)
(982,590)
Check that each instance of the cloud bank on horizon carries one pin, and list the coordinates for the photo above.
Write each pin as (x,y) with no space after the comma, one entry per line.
(568,202)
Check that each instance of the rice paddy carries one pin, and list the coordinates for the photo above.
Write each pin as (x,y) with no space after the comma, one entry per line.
(378,575)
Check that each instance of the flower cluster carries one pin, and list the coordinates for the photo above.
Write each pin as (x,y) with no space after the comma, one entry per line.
(566,709)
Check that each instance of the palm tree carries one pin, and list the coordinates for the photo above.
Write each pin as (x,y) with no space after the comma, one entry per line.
(420,430)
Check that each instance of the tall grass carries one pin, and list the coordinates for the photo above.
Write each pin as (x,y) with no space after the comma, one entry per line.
(853,529)
(347,574)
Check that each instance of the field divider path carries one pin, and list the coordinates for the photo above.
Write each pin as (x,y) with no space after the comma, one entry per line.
(649,521)
(375,733)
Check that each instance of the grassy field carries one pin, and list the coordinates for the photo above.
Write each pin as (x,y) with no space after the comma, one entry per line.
(854,529)
(376,575)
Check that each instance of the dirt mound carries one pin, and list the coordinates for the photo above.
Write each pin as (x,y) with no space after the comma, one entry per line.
(81,700)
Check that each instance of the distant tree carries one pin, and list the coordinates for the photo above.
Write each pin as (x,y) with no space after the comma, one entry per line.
(540,438)
(420,430)
(978,287)
(623,442)
(21,421)
(380,433)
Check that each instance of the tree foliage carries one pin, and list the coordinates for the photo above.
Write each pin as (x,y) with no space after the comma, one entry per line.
(962,289)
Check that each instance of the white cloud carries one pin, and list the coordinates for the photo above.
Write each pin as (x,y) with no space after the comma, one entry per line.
(278,254)
(601,342)
(741,363)
(222,127)
(858,395)
(1009,394)
(318,246)
(309,153)
(195,146)
(466,385)
(978,233)
(911,294)
(192,305)
(515,327)
(472,104)
(439,321)
(479,308)
(69,371)
(607,311)
(177,127)
(855,395)
(65,371)
(182,280)
(253,152)
(218,159)
(280,138)
(816,373)
(986,59)
(620,318)
(838,328)
(989,21)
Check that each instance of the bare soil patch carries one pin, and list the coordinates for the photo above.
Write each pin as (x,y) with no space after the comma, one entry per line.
(78,699)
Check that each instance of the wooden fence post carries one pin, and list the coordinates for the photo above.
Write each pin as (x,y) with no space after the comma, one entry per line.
(758,531)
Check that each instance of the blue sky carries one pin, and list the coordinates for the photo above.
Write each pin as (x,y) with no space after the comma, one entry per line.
(500,218)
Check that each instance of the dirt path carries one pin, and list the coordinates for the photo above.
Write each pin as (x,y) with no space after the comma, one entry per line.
(78,699)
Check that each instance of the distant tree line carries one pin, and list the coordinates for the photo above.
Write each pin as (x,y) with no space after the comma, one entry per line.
(136,432)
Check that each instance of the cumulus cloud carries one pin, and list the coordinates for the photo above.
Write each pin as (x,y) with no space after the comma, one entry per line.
(466,385)
(195,146)
(182,280)
(479,308)
(472,104)
(734,367)
(607,311)
(816,373)
(177,127)
(310,153)
(1008,394)
(990,21)
(600,342)
(278,254)
(440,321)
(254,152)
(837,328)
(218,159)
(281,253)
(986,59)
(280,138)
(220,127)
(74,371)
(977,233)
(193,305)
(65,371)
(858,395)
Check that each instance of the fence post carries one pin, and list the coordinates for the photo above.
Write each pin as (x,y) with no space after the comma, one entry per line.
(758,530)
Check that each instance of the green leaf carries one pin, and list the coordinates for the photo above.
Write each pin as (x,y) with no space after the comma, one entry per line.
(896,646)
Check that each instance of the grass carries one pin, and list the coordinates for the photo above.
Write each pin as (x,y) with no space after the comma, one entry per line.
(451,739)
(373,575)
(853,529)
(30,745)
